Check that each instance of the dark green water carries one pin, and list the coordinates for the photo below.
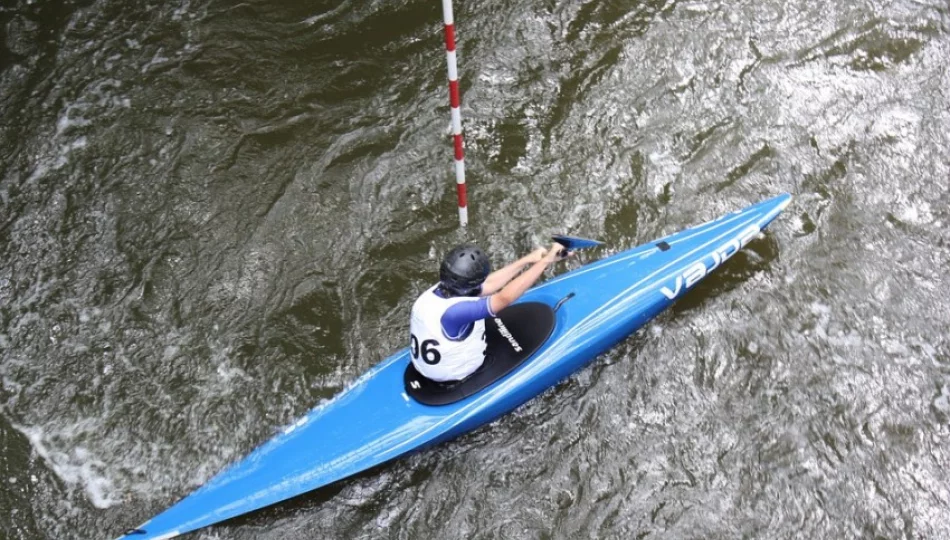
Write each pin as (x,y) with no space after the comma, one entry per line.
(214,215)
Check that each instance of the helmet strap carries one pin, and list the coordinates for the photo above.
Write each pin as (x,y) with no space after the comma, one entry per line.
(444,291)
(447,293)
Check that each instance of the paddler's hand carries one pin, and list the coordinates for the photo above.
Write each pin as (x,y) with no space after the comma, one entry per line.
(535,256)
(556,253)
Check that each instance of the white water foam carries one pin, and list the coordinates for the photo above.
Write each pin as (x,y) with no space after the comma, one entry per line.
(335,12)
(77,466)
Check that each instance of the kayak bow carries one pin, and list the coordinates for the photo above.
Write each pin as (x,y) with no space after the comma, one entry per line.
(375,420)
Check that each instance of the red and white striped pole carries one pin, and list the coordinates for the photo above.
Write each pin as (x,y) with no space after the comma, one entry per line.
(455,102)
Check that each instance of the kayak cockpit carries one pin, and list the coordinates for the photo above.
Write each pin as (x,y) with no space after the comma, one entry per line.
(511,338)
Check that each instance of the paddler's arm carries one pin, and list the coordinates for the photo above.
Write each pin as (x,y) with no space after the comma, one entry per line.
(497,279)
(513,290)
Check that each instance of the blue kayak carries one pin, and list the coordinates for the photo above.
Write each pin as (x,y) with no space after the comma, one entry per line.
(377,419)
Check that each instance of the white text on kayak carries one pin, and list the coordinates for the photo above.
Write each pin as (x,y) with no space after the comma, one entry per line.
(503,330)
(698,270)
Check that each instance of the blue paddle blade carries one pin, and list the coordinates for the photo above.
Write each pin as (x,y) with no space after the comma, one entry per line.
(573,242)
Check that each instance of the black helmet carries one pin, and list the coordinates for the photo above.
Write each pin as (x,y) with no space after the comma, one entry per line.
(463,270)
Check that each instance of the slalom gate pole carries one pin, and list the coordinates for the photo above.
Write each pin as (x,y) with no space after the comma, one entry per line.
(455,103)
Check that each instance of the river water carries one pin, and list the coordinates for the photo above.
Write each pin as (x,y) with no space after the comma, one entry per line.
(214,215)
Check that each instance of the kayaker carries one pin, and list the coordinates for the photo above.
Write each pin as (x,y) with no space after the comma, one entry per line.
(447,326)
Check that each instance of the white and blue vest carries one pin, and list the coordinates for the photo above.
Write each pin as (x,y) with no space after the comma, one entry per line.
(434,355)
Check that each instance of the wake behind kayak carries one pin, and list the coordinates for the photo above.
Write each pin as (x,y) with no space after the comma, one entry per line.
(376,420)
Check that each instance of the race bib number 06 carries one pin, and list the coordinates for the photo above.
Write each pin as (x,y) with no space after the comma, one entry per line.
(430,355)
